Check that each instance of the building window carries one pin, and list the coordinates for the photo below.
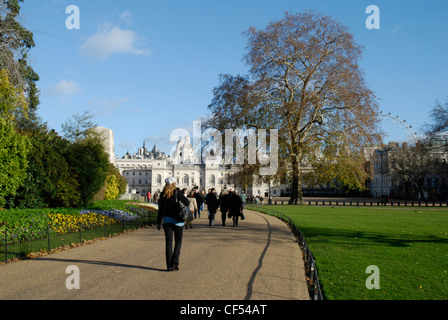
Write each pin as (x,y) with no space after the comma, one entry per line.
(159,180)
(186,180)
(212,180)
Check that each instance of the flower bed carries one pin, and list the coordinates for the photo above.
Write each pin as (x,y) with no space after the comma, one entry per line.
(29,232)
(20,225)
(65,223)
(117,215)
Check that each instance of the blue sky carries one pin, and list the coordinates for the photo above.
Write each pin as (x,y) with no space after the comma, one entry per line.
(147,67)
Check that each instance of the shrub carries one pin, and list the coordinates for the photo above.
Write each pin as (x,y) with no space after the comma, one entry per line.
(13,165)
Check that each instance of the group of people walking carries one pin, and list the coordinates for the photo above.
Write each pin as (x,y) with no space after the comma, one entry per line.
(170,203)
(228,203)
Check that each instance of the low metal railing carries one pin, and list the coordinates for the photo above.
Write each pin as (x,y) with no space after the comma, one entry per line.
(377,203)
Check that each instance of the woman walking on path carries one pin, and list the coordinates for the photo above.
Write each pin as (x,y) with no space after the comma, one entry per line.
(193,208)
(235,206)
(169,211)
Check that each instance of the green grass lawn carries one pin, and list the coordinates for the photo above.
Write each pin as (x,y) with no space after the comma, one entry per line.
(409,246)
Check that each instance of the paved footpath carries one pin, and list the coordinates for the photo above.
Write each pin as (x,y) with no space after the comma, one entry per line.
(259,260)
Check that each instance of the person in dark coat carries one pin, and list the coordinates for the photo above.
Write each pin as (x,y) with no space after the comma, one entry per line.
(169,212)
(235,206)
(200,200)
(212,205)
(223,206)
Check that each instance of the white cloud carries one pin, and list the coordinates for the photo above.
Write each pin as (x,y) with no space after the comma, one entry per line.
(126,16)
(106,42)
(65,88)
(106,106)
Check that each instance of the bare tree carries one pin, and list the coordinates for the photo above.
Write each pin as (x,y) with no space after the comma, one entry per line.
(413,165)
(439,122)
(304,81)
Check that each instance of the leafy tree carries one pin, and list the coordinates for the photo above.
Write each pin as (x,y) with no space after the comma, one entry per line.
(12,100)
(119,181)
(13,146)
(89,163)
(304,80)
(13,165)
(111,192)
(79,127)
(49,182)
(337,165)
(15,43)
(86,155)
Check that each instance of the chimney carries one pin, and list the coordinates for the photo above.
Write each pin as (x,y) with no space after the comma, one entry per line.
(392,144)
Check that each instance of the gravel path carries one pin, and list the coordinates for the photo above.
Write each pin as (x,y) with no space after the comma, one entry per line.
(259,260)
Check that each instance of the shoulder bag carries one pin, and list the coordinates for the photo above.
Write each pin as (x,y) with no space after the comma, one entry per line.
(185,212)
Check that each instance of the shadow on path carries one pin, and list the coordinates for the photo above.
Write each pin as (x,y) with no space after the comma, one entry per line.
(260,262)
(100,263)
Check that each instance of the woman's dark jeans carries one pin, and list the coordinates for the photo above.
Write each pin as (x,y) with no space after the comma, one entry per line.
(172,256)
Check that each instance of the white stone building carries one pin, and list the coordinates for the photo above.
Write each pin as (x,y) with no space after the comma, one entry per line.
(147,170)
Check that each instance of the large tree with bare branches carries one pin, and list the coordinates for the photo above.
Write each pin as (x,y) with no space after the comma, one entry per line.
(304,80)
(412,166)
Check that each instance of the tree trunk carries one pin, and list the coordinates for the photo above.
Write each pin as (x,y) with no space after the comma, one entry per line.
(297,180)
